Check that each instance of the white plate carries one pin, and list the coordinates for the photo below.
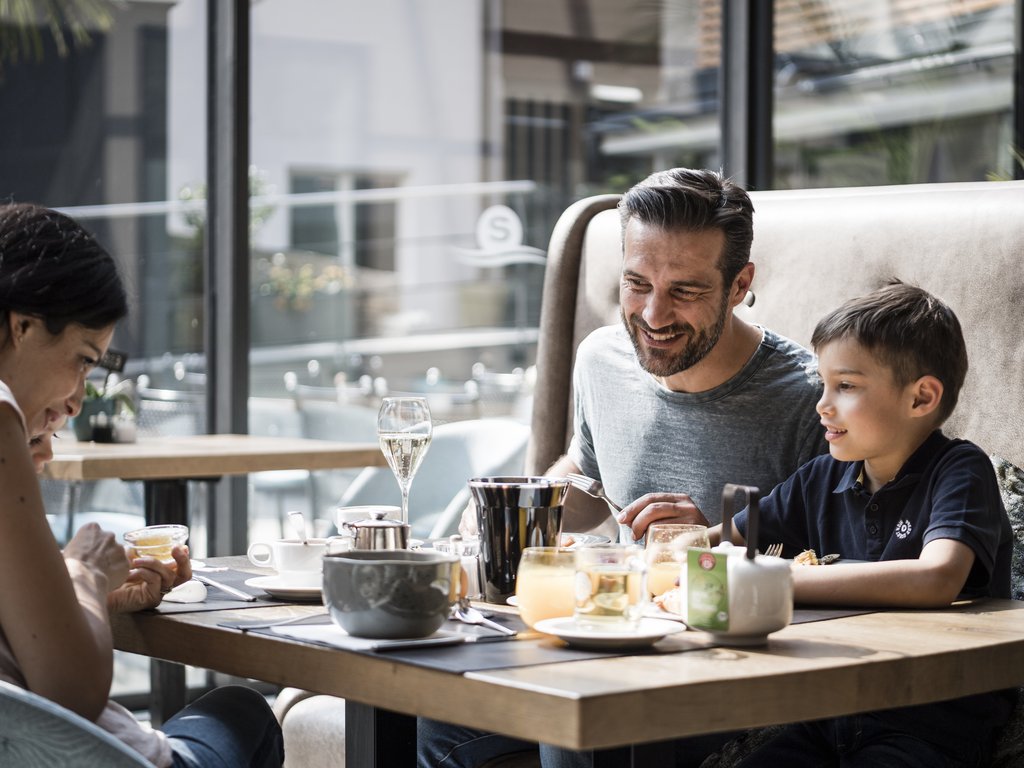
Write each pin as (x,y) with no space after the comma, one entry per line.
(647,633)
(513,601)
(288,589)
(582,539)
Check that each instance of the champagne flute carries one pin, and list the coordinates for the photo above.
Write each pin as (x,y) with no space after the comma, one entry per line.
(404,431)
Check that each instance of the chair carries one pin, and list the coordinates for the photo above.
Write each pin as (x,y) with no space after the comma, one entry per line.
(170,411)
(458,451)
(36,732)
(334,413)
(278,417)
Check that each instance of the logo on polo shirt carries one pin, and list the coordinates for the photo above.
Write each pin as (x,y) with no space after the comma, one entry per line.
(903,529)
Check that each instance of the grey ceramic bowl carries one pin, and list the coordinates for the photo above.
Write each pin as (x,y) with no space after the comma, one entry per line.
(390,593)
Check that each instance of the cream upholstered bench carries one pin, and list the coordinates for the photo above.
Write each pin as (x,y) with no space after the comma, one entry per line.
(813,249)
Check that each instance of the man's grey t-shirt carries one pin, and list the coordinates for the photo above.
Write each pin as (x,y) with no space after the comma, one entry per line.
(637,437)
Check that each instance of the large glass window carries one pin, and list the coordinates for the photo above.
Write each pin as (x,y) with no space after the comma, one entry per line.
(894,92)
(392,129)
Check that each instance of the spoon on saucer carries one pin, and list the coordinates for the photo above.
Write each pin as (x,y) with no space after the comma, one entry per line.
(299,525)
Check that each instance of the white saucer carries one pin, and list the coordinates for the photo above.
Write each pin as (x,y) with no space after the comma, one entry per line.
(289,589)
(647,633)
(513,600)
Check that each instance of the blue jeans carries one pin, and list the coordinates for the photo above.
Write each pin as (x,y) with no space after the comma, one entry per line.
(230,727)
(442,745)
(862,741)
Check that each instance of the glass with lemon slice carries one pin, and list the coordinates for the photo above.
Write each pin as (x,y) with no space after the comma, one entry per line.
(611,587)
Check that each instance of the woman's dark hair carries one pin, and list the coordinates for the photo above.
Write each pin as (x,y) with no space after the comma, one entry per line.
(697,200)
(51,268)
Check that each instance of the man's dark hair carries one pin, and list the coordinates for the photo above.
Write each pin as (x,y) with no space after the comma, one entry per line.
(910,331)
(688,199)
(51,268)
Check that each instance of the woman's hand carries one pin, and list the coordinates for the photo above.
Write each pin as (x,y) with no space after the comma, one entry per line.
(98,550)
(149,580)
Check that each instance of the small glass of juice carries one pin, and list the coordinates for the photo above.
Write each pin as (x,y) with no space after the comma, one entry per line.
(545,583)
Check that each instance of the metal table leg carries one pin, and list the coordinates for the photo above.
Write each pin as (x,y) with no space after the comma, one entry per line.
(166,501)
(375,738)
(637,755)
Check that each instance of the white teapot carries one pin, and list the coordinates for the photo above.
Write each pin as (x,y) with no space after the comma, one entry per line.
(759,588)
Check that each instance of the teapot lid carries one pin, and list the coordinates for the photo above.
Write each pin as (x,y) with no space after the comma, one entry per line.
(377,520)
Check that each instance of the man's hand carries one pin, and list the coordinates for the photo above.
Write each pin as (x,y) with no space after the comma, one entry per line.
(660,508)
(148,581)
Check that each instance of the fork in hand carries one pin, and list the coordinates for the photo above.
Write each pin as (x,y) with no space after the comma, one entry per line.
(593,487)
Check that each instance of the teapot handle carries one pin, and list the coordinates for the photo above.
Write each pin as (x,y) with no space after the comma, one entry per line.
(752,493)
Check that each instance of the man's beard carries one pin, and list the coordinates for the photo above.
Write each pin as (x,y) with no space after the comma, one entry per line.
(663,362)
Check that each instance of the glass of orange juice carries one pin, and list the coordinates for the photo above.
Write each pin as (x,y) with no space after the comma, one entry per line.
(544,583)
(667,544)
(156,540)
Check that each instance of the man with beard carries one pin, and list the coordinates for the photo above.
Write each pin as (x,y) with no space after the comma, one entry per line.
(679,399)
(684,396)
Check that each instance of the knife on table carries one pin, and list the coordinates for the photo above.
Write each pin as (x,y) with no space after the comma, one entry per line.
(237,593)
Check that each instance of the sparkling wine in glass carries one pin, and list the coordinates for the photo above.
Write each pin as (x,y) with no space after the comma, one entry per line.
(404,431)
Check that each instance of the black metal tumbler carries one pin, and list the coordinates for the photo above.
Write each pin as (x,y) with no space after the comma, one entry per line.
(514,513)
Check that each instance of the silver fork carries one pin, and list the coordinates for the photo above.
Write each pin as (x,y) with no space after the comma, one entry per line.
(773,550)
(593,487)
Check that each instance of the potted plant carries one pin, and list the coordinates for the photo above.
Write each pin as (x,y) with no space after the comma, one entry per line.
(107,413)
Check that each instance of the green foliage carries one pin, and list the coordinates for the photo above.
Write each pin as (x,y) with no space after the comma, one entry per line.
(70,23)
(258,214)
(120,393)
(1018,160)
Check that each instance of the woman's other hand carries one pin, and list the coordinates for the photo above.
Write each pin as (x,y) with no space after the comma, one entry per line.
(97,549)
(149,580)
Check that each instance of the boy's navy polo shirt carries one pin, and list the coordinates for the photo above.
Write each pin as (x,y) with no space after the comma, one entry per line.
(947,489)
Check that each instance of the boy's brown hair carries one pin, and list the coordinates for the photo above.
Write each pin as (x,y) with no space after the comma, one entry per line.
(910,331)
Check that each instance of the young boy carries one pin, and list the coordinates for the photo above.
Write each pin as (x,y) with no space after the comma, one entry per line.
(922,509)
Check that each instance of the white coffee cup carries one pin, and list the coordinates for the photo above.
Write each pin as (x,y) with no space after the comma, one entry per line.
(290,556)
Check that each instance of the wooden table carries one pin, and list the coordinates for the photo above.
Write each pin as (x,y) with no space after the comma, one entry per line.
(807,671)
(165,465)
